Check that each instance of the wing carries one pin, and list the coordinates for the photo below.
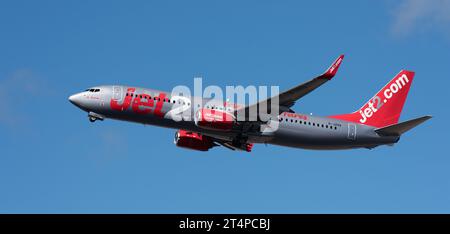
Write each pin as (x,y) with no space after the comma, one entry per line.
(288,98)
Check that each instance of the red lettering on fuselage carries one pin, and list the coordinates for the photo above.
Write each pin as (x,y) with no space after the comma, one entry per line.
(140,103)
(126,102)
(295,115)
(159,105)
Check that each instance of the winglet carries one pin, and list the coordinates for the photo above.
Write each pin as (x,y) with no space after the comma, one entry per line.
(399,129)
(332,70)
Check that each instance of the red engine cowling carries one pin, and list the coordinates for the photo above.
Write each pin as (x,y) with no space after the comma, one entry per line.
(214,120)
(248,147)
(193,140)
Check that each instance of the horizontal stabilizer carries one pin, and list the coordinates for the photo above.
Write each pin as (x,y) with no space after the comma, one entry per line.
(400,128)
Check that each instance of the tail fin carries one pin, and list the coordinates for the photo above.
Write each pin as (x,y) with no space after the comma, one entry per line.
(385,107)
(399,129)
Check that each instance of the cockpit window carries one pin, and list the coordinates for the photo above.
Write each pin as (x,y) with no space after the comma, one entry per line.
(93,90)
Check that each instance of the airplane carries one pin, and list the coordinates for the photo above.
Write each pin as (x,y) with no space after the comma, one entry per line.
(376,123)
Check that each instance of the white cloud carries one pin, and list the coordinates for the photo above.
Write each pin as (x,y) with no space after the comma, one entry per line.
(422,16)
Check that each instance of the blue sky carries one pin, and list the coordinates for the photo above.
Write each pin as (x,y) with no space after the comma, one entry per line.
(54,160)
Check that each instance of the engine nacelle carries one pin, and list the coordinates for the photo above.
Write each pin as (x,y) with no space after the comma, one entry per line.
(193,140)
(214,120)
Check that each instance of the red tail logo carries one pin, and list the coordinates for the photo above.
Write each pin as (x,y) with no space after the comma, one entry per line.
(386,106)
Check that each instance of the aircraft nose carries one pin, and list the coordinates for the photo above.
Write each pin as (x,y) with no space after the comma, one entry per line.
(75,99)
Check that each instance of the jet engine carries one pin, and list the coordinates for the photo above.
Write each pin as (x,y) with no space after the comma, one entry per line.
(214,120)
(193,140)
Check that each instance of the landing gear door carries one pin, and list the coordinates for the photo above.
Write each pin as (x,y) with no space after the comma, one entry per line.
(351,132)
(117,93)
